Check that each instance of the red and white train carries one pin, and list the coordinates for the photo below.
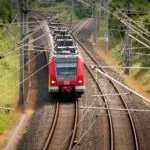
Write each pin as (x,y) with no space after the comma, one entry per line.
(66,66)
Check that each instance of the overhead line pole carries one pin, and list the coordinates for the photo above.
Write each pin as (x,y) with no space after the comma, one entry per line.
(127,43)
(21,92)
(72,11)
(23,59)
(96,21)
(107,34)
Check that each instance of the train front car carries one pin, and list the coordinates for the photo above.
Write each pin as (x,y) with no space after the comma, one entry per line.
(66,74)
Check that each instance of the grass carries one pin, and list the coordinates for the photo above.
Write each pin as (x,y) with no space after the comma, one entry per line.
(101,35)
(6,120)
(115,46)
(143,76)
(116,53)
(9,75)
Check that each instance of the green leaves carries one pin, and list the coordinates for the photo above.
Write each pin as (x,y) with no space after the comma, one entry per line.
(5,10)
(82,11)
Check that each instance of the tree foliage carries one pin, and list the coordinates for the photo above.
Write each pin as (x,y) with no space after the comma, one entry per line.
(140,15)
(82,11)
(5,11)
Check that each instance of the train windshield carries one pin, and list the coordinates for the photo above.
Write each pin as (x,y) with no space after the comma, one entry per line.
(66,68)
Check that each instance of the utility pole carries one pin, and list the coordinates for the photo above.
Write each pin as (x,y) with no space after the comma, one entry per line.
(106,32)
(72,11)
(96,19)
(100,10)
(21,92)
(127,42)
(23,60)
(53,7)
(25,31)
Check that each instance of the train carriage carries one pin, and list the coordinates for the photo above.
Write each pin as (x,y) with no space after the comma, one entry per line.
(66,66)
(66,74)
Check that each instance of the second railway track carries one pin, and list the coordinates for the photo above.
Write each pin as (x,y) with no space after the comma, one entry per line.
(122,128)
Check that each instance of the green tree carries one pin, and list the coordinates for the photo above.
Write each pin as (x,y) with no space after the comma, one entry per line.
(5,11)
(82,11)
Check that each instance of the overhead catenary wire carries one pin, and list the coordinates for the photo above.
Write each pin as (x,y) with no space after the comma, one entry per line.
(44,66)
(116,109)
(119,18)
(139,41)
(79,122)
(140,95)
(10,49)
(35,56)
(108,94)
(146,32)
(141,54)
(124,21)
(120,67)
(18,55)
(90,126)
(88,130)
(83,133)
(20,23)
(122,85)
(133,29)
(19,43)
(31,74)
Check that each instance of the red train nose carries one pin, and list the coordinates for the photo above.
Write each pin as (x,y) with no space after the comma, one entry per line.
(67,89)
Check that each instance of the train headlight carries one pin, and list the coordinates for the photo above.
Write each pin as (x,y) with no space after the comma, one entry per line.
(80,81)
(53,82)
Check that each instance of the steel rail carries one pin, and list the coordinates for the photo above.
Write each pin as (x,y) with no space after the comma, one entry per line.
(117,90)
(111,127)
(50,135)
(104,98)
(129,114)
(56,114)
(110,122)
(75,126)
(52,130)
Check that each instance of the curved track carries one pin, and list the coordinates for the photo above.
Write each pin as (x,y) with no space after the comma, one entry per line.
(53,140)
(124,123)
(126,120)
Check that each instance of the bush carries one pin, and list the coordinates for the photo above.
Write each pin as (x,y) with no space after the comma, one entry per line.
(82,11)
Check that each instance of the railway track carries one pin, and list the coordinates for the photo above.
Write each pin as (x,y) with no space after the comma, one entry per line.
(114,122)
(56,134)
(54,138)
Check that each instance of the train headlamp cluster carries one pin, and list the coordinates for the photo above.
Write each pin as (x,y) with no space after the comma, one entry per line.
(53,82)
(79,81)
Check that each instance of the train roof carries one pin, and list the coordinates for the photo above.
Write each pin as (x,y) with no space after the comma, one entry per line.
(56,24)
(61,35)
(72,50)
(65,56)
(64,40)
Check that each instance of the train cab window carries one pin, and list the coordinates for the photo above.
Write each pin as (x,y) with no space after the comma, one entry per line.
(66,68)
